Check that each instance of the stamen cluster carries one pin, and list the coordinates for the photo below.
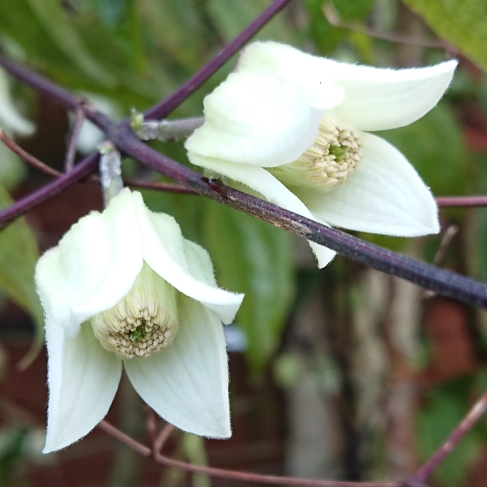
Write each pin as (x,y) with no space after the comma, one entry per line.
(328,162)
(141,323)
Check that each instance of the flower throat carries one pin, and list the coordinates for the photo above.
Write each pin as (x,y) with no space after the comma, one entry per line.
(328,162)
(141,323)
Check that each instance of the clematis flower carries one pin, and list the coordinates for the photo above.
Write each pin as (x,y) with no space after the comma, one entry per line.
(290,127)
(124,287)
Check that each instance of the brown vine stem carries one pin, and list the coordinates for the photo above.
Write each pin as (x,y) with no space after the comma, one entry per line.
(162,438)
(332,16)
(419,478)
(129,441)
(30,159)
(228,474)
(73,139)
(454,201)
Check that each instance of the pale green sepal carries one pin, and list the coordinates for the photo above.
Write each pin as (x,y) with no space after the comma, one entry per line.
(187,382)
(83,379)
(383,195)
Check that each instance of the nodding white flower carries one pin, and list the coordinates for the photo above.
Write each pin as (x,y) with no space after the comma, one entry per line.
(124,286)
(290,126)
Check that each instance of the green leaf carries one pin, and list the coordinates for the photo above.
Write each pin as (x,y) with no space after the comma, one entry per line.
(434,146)
(255,258)
(55,21)
(327,37)
(463,23)
(18,258)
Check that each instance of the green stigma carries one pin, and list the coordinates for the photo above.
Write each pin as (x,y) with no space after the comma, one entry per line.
(137,334)
(338,151)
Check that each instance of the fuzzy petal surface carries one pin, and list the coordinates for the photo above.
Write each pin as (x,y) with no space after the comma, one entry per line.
(375,98)
(83,379)
(383,195)
(93,267)
(264,183)
(382,99)
(117,251)
(163,250)
(187,382)
(262,119)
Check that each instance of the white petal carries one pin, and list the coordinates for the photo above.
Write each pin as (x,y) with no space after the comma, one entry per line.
(383,195)
(93,267)
(9,116)
(380,99)
(163,250)
(187,382)
(261,119)
(83,379)
(263,182)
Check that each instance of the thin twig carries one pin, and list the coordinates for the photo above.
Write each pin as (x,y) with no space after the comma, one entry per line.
(461,201)
(133,183)
(419,478)
(30,159)
(129,441)
(451,231)
(163,109)
(334,19)
(81,170)
(73,139)
(151,424)
(162,438)
(231,474)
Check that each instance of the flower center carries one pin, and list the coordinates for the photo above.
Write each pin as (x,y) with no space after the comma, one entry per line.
(328,162)
(141,323)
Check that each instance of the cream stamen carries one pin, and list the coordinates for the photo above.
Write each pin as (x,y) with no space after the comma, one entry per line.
(328,162)
(141,323)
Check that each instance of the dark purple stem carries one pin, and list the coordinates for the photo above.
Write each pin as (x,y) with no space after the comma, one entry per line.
(81,170)
(430,277)
(439,280)
(164,108)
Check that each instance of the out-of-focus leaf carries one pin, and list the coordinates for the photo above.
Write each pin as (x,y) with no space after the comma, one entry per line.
(444,410)
(461,22)
(56,24)
(254,258)
(327,37)
(230,17)
(18,258)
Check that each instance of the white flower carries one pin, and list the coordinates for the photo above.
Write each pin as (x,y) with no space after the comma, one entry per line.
(289,126)
(124,286)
